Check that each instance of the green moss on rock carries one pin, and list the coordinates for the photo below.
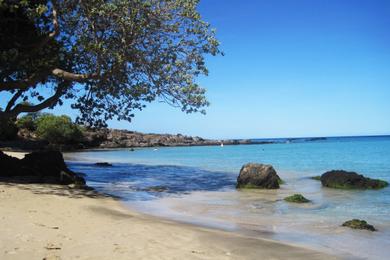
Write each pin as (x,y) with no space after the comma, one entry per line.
(340,179)
(296,198)
(358,224)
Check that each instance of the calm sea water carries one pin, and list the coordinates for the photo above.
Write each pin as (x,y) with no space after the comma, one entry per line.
(196,184)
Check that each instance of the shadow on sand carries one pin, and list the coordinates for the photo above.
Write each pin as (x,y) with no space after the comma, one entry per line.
(26,183)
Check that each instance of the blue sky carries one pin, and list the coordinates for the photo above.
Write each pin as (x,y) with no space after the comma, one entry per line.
(292,68)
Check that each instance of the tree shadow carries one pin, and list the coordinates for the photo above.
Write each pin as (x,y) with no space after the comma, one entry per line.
(24,183)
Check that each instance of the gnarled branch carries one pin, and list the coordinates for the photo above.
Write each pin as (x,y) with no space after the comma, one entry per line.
(22,108)
(11,103)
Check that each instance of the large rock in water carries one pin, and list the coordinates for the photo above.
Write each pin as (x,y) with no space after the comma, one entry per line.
(340,179)
(39,167)
(258,176)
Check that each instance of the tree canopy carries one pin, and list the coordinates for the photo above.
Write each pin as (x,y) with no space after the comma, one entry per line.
(108,57)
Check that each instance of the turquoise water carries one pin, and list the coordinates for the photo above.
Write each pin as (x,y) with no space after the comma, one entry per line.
(198,187)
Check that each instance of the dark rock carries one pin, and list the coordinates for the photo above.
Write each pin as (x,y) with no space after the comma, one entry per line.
(340,179)
(296,198)
(358,224)
(156,189)
(260,176)
(11,166)
(103,164)
(40,167)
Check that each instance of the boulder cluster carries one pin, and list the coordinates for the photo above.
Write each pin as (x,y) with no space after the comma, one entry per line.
(262,176)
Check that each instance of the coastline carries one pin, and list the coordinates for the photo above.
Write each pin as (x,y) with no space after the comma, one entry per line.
(55,222)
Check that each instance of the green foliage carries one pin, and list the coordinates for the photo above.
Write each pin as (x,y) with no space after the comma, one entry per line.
(296,198)
(123,54)
(58,129)
(316,178)
(27,122)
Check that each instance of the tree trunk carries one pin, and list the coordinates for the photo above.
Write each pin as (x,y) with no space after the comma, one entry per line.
(8,129)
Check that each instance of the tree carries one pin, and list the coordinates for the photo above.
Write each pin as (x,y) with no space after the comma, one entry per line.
(58,129)
(108,57)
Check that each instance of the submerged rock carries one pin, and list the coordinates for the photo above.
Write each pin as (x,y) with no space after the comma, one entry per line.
(103,164)
(39,167)
(358,224)
(340,179)
(156,189)
(296,198)
(258,176)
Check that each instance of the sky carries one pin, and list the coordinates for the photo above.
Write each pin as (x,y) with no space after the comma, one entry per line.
(292,68)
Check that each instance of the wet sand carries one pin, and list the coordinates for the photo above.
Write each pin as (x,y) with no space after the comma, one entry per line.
(55,222)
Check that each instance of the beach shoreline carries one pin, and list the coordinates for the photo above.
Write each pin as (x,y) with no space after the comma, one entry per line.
(55,222)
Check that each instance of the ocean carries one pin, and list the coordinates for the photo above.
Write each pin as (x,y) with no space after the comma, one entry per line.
(197,185)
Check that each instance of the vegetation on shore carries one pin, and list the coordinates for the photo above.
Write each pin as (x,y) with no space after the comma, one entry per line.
(51,128)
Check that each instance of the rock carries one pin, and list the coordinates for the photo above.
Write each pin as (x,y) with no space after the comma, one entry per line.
(358,224)
(156,189)
(10,166)
(260,176)
(340,179)
(103,164)
(316,178)
(40,167)
(296,198)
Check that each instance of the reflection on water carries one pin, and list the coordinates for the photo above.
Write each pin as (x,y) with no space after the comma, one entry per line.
(145,182)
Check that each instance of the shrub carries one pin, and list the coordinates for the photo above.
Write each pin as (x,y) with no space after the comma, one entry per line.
(27,122)
(58,129)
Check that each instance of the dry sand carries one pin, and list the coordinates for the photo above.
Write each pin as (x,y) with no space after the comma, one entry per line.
(19,155)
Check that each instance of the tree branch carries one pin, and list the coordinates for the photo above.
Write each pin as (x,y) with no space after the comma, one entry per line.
(73,76)
(11,103)
(21,108)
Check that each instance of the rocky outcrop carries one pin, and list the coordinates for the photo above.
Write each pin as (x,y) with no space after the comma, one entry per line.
(340,179)
(39,167)
(113,138)
(125,139)
(258,176)
(358,224)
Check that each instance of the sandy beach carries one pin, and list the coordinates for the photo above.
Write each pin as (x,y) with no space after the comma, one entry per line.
(55,222)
